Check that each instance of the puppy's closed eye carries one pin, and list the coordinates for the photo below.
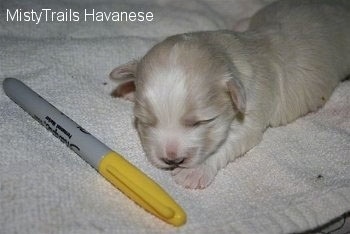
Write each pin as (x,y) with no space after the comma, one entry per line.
(193,123)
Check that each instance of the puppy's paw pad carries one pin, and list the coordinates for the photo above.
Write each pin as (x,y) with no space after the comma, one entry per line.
(194,178)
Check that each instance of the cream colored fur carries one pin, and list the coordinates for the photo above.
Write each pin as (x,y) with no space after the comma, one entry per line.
(203,99)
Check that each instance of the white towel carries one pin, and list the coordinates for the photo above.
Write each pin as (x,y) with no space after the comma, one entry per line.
(296,179)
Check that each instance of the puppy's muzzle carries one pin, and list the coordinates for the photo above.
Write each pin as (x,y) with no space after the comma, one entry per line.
(173,162)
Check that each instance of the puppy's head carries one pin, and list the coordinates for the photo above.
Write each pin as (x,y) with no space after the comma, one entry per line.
(185,101)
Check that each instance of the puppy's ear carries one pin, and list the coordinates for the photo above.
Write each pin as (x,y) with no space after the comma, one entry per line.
(125,71)
(125,90)
(236,90)
(125,75)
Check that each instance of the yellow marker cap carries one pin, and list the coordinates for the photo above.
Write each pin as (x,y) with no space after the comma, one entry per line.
(126,177)
(140,188)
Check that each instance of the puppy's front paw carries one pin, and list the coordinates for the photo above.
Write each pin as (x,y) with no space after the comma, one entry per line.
(194,178)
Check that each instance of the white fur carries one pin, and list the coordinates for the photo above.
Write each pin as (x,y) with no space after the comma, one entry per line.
(203,99)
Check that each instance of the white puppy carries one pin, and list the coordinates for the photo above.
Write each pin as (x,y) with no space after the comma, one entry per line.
(203,99)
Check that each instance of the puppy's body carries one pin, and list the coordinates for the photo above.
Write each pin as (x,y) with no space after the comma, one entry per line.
(202,99)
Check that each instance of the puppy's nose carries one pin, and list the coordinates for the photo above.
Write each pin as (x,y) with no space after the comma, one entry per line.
(171,150)
(173,162)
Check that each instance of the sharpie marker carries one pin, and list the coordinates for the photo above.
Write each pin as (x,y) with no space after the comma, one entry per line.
(116,169)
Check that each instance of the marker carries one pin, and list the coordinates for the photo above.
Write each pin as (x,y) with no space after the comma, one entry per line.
(115,168)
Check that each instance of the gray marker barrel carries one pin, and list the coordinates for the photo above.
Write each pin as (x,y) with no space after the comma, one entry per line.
(70,133)
(122,174)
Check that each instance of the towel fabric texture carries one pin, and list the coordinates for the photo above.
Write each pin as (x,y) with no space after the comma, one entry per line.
(296,179)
